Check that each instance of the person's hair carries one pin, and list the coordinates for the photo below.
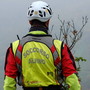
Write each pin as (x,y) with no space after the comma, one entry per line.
(37,23)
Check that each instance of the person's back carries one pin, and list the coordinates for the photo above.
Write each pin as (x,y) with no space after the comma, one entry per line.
(37,59)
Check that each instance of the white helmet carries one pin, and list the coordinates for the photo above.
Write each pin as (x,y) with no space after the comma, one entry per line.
(39,10)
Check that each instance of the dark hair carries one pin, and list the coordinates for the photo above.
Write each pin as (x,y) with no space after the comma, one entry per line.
(37,22)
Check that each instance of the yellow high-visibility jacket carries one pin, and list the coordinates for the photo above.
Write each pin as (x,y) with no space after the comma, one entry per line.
(71,79)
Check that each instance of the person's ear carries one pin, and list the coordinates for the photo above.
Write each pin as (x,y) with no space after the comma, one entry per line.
(30,22)
(47,23)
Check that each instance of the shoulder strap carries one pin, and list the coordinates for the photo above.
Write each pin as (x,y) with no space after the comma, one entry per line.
(14,46)
(58,44)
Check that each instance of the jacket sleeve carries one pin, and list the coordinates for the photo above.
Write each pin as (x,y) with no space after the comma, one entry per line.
(10,71)
(73,82)
(69,69)
(9,83)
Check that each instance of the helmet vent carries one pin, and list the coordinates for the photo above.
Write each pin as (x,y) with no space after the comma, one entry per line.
(44,8)
(49,11)
(30,6)
(32,11)
(41,15)
(44,14)
(31,14)
(28,12)
(40,12)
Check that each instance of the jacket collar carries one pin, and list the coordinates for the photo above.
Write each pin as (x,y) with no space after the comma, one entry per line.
(38,32)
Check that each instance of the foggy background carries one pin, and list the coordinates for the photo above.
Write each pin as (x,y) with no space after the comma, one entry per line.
(13,21)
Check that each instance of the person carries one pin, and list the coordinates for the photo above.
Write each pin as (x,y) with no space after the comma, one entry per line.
(37,61)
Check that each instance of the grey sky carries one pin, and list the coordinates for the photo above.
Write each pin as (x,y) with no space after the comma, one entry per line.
(13,21)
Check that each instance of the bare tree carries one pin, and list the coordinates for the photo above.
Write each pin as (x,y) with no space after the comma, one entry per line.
(68,32)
